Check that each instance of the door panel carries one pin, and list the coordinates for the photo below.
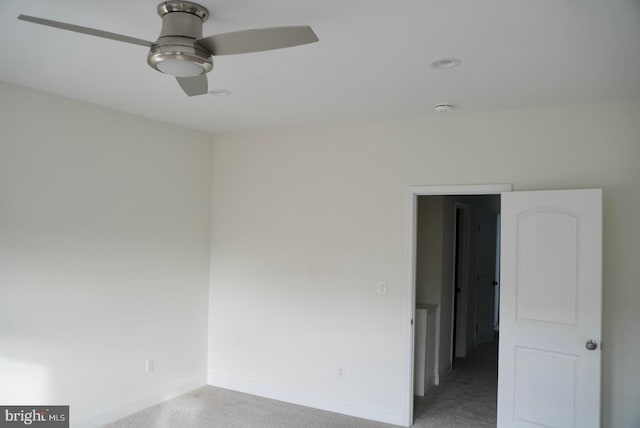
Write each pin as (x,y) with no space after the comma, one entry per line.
(547,270)
(551,299)
(534,404)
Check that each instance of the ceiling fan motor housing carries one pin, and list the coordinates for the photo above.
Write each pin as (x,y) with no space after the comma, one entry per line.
(176,51)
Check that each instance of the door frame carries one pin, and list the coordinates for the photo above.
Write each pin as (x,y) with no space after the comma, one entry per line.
(411,239)
(460,299)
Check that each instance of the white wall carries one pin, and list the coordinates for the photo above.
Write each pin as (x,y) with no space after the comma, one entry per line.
(306,222)
(434,269)
(104,244)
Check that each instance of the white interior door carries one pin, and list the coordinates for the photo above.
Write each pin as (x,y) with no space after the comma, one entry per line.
(551,300)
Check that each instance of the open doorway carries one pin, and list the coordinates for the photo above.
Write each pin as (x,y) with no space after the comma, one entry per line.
(542,248)
(456,280)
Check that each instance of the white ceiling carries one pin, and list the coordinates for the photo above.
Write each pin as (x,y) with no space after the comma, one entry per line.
(371,63)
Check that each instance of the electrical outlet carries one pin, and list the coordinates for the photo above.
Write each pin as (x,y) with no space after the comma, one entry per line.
(149,365)
(341,372)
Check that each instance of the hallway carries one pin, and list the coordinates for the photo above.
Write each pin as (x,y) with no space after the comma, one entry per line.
(467,397)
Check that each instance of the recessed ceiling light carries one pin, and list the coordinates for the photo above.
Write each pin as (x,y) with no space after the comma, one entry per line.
(443,108)
(220,92)
(445,63)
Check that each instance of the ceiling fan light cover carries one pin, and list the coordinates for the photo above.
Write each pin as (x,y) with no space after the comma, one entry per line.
(179,68)
(180,61)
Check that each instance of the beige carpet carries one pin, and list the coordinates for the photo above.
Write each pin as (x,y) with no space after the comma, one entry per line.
(467,398)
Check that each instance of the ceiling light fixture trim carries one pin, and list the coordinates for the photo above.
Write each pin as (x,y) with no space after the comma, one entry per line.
(445,63)
(443,108)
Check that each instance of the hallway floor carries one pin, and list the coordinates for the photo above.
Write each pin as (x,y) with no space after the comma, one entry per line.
(465,398)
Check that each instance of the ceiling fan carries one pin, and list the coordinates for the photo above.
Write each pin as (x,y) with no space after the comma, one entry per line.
(183,52)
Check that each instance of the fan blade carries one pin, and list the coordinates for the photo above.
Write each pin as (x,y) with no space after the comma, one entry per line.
(196,85)
(85,30)
(262,39)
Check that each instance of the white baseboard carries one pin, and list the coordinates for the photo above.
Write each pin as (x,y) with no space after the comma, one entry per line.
(139,404)
(307,399)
